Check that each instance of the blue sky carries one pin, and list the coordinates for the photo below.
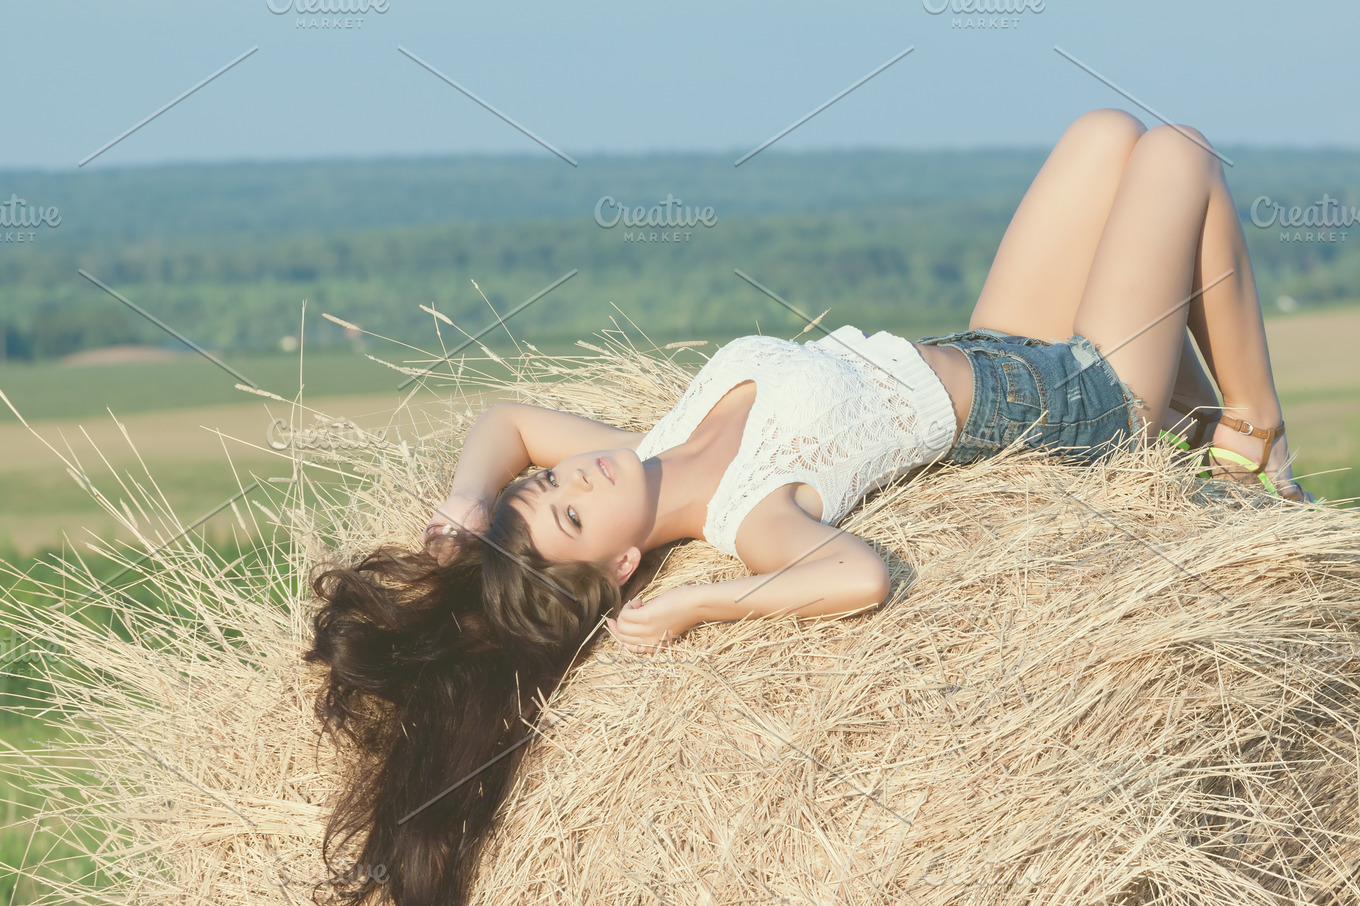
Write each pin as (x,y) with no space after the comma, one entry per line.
(634,77)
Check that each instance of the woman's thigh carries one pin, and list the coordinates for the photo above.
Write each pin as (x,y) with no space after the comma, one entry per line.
(1142,281)
(1036,280)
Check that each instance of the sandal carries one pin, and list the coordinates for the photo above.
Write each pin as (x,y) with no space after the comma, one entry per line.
(1204,419)
(1236,467)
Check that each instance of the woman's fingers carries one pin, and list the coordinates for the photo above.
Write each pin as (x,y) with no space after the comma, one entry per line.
(637,640)
(435,529)
(442,543)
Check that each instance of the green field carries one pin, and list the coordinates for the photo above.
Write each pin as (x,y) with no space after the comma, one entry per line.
(48,390)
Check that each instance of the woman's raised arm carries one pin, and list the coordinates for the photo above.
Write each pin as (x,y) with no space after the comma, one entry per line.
(507,439)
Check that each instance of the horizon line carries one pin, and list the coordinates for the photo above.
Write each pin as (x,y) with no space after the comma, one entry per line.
(531,156)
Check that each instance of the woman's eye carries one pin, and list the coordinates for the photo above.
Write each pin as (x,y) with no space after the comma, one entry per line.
(552,479)
(575,520)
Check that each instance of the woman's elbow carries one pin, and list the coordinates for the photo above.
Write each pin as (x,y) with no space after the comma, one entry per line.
(876,582)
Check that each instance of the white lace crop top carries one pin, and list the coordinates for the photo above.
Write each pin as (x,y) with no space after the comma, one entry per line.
(845,414)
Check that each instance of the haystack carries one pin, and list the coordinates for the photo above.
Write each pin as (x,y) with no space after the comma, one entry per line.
(1117,684)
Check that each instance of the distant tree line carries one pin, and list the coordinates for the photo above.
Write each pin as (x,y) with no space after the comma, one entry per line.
(227,255)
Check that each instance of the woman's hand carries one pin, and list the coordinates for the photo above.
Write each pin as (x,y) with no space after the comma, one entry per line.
(647,626)
(453,518)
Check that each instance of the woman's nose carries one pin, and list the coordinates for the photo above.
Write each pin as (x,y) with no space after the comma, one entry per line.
(582,479)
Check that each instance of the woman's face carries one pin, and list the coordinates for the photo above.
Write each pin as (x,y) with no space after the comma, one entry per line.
(591,507)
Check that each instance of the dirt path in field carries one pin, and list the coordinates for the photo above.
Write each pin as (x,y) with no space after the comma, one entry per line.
(191,452)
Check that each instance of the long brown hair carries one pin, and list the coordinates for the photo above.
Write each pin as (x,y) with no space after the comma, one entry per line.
(436,674)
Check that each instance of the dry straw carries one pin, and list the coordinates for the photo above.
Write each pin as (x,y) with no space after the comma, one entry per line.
(1115,684)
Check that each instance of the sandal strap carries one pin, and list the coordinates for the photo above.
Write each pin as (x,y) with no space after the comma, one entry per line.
(1265,435)
(1204,417)
(1185,408)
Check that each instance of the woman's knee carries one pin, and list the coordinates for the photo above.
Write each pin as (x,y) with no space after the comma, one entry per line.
(1106,128)
(1179,147)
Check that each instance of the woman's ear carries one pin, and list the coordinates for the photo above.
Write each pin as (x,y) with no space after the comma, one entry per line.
(626,564)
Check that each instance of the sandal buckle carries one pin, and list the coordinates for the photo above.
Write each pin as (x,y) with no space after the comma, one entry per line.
(1245,427)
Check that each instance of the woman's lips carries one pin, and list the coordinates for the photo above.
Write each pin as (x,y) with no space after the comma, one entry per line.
(606,468)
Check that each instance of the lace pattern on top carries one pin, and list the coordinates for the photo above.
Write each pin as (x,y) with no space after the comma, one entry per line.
(845,414)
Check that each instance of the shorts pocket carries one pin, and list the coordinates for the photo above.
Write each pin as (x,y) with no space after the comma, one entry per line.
(1022,383)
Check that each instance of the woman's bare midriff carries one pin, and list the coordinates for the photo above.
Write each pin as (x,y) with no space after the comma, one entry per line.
(951,367)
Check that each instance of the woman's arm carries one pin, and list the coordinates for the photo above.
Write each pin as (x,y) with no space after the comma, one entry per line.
(509,437)
(809,570)
(506,439)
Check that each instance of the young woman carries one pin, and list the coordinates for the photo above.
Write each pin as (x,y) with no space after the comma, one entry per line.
(1078,342)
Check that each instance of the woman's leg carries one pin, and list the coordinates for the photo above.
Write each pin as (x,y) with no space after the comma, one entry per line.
(1194,401)
(1172,254)
(1036,280)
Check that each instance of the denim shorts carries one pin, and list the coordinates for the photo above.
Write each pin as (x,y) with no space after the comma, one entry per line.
(1062,397)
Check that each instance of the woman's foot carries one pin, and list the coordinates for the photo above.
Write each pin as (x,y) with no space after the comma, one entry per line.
(1245,444)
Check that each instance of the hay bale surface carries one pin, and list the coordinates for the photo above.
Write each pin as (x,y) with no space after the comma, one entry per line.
(1115,684)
